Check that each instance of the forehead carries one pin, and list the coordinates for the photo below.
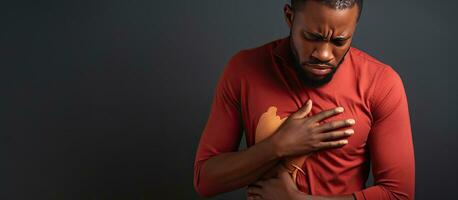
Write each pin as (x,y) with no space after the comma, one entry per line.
(318,17)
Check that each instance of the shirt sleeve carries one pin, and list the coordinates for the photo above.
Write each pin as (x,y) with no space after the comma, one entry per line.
(224,129)
(390,142)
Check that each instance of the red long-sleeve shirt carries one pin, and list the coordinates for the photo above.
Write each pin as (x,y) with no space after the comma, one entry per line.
(259,89)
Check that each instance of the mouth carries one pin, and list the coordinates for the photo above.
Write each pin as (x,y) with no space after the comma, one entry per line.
(318,70)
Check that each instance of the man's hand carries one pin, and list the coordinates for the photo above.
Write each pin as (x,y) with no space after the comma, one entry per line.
(301,135)
(281,187)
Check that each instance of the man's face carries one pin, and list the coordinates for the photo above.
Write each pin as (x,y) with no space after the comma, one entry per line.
(320,38)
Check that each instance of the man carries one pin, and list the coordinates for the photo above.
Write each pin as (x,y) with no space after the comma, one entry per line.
(316,113)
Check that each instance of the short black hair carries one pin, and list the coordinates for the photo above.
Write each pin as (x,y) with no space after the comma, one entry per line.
(336,4)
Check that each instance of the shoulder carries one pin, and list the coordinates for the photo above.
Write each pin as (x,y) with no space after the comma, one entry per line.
(373,68)
(249,60)
(383,81)
(247,64)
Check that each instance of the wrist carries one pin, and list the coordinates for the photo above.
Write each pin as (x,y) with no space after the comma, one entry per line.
(276,147)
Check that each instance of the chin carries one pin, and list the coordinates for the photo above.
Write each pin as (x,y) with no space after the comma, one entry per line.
(316,77)
(313,80)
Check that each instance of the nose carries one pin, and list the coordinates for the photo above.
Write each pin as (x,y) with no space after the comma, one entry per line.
(323,52)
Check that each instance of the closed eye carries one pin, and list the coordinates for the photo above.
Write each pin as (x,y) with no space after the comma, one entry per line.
(339,42)
(312,37)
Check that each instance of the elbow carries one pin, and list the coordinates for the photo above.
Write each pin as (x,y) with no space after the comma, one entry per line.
(403,191)
(390,192)
(396,186)
(399,194)
(202,191)
(199,185)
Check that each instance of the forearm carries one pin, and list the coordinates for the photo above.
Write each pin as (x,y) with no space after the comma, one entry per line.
(229,171)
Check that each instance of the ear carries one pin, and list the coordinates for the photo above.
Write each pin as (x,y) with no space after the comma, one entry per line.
(289,15)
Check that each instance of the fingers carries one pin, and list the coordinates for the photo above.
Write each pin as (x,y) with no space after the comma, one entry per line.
(254,191)
(253,197)
(329,126)
(325,114)
(332,144)
(304,110)
(334,135)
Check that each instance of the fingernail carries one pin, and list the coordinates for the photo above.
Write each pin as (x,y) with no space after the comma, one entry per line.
(339,109)
(349,131)
(351,121)
(344,141)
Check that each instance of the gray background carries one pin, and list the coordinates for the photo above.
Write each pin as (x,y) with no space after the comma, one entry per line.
(107,100)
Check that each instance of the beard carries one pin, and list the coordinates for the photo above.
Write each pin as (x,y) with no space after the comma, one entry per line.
(305,76)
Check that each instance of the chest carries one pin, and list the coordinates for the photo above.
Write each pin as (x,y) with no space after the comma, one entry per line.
(266,108)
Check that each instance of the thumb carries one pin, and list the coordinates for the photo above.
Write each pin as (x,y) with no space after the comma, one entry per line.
(304,110)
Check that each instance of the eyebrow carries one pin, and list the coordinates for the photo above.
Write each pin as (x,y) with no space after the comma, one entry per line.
(319,36)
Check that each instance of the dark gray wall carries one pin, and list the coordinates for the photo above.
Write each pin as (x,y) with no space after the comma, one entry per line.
(107,100)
